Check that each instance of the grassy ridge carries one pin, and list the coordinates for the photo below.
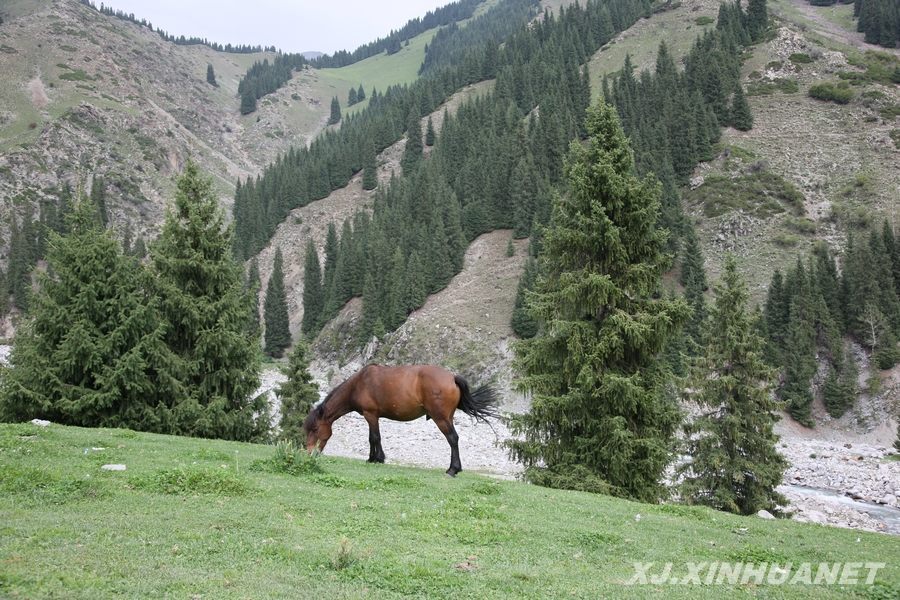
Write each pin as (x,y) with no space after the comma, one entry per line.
(380,71)
(194,518)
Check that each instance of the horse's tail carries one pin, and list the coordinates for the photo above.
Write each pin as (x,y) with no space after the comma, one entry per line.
(481,404)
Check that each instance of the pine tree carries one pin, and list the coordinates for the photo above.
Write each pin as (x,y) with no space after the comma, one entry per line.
(278,333)
(98,198)
(297,395)
(429,133)
(757,19)
(594,373)
(360,94)
(211,76)
(331,254)
(335,115)
(92,352)
(693,278)
(735,465)
(370,168)
(18,280)
(523,322)
(252,286)
(741,117)
(313,297)
(351,97)
(412,154)
(841,386)
(248,103)
(800,364)
(205,309)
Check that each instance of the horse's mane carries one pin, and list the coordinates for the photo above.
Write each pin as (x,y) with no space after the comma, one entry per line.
(319,410)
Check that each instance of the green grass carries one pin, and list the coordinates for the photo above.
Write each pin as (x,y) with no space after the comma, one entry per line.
(839,14)
(379,71)
(190,518)
(763,194)
(785,85)
(76,75)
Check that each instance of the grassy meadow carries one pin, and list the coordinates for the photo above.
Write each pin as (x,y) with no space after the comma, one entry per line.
(193,518)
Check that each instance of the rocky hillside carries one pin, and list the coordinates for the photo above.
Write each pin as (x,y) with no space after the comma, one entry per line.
(85,94)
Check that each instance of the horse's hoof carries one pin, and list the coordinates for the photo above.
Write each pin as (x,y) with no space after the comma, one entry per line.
(452,472)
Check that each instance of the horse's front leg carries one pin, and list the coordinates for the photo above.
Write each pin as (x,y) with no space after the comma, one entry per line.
(376,454)
(449,431)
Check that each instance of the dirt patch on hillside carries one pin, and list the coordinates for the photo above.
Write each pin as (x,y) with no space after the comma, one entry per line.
(38,94)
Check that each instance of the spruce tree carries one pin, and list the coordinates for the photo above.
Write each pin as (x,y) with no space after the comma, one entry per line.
(370,168)
(313,297)
(211,76)
(412,154)
(248,103)
(331,254)
(757,19)
(278,333)
(741,117)
(734,462)
(98,198)
(205,309)
(523,322)
(360,94)
(594,373)
(430,135)
(335,115)
(18,280)
(693,278)
(252,286)
(351,97)
(92,352)
(296,395)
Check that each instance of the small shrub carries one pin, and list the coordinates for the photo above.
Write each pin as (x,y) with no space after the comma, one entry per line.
(344,556)
(784,85)
(289,459)
(874,95)
(485,488)
(839,93)
(76,75)
(801,224)
(786,240)
(704,20)
(754,75)
(890,112)
(787,86)
(895,135)
(800,58)
(193,480)
(774,65)
(38,487)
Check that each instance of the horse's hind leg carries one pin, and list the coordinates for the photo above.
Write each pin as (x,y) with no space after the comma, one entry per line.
(449,431)
(376,454)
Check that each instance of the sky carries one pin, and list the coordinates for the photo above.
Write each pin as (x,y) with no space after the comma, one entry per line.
(291,25)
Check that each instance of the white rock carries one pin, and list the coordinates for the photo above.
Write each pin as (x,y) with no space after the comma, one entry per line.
(764,514)
(40,422)
(113,467)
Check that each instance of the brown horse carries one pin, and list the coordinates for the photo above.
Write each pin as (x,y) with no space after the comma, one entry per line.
(402,394)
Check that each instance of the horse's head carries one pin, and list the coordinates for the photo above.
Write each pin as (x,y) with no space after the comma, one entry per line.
(318,430)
